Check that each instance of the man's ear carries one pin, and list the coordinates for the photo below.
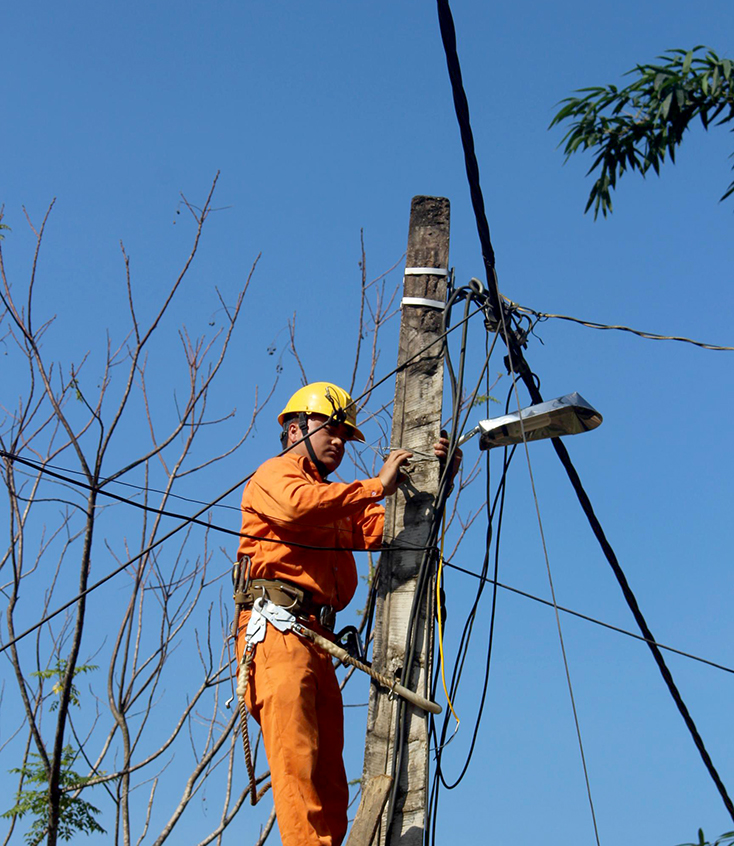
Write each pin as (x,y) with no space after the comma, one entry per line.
(294,432)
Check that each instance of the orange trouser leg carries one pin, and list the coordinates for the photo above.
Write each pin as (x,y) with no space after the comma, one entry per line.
(293,693)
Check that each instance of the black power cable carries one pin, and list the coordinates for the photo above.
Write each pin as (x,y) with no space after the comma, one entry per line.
(448,35)
(519,366)
(472,294)
(629,596)
(186,518)
(422,596)
(99,488)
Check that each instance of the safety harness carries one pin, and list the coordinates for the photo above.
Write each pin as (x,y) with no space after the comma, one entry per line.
(284,605)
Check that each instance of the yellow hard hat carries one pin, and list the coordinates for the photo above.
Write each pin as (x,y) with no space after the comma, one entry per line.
(323,398)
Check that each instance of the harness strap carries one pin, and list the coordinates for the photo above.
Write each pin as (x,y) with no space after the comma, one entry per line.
(286,595)
(284,621)
(303,426)
(255,634)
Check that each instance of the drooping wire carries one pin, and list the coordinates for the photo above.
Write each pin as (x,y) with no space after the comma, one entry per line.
(546,557)
(441,743)
(651,336)
(450,564)
(440,621)
(640,620)
(493,538)
(449,42)
(422,595)
(186,520)
(456,382)
(162,512)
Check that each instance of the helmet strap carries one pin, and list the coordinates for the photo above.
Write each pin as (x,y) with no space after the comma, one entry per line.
(303,426)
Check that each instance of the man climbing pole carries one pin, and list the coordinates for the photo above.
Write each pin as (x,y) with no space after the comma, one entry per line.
(298,531)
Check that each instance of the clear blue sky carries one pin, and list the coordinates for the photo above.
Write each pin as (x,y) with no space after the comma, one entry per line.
(325,119)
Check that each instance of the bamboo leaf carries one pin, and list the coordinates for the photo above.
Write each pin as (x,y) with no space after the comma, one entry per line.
(665,108)
(632,128)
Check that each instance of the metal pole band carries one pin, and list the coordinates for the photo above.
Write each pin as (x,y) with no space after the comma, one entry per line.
(420,301)
(426,271)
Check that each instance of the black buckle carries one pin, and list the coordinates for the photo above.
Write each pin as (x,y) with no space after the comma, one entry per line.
(349,639)
(327,617)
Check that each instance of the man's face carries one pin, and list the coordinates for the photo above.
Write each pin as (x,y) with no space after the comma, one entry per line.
(328,442)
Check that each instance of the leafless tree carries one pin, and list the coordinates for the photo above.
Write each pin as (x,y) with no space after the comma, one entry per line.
(94,478)
(65,524)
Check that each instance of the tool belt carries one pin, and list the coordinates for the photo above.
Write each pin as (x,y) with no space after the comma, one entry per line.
(297,600)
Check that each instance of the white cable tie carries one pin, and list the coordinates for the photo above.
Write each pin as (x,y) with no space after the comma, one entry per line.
(426,271)
(419,301)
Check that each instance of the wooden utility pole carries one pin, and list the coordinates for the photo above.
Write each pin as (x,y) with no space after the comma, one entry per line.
(408,518)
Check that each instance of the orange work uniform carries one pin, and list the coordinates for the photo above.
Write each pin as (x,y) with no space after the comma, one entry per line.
(292,691)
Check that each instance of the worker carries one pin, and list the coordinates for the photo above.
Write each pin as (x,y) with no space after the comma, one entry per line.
(298,531)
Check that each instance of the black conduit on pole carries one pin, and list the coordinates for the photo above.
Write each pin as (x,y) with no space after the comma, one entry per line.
(448,35)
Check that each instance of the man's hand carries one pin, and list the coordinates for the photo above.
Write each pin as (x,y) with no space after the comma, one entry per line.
(390,475)
(441,450)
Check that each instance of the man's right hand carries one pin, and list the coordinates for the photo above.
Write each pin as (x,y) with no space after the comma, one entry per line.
(390,475)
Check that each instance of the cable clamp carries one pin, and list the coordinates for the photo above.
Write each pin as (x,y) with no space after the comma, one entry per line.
(419,301)
(426,271)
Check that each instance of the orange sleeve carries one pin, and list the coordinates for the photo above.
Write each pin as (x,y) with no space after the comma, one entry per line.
(283,492)
(368,527)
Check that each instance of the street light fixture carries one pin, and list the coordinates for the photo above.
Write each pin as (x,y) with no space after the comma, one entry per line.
(566,415)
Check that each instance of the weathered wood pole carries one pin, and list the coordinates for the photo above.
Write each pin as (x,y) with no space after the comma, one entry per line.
(416,426)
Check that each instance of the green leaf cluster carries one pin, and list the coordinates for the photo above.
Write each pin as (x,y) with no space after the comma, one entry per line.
(483,399)
(57,672)
(723,840)
(75,814)
(634,128)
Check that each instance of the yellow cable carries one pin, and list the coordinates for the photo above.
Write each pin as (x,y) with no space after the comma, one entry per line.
(440,624)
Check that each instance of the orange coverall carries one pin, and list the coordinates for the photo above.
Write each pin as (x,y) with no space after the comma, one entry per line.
(292,691)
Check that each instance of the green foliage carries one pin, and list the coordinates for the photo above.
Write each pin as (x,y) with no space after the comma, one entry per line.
(633,128)
(57,673)
(724,840)
(482,399)
(75,815)
(3,226)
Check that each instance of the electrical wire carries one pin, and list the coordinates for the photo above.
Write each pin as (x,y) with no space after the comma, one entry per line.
(588,618)
(493,536)
(592,325)
(546,557)
(103,481)
(448,35)
(422,595)
(66,472)
(47,617)
(186,520)
(629,596)
(456,381)
(462,652)
(439,620)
